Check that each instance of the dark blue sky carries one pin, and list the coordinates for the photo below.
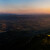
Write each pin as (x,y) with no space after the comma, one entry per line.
(24,6)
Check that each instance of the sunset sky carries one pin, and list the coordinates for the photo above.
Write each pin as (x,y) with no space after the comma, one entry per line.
(25,6)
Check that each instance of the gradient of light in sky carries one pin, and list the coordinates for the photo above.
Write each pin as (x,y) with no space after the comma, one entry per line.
(25,6)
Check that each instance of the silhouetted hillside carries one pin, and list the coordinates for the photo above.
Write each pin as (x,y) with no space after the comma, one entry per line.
(25,40)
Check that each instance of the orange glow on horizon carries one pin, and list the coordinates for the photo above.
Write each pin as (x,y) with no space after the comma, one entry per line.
(28,11)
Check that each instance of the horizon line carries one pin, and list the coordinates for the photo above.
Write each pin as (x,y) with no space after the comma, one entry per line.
(25,14)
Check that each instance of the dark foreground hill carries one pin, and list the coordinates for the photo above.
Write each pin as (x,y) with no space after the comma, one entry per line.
(15,40)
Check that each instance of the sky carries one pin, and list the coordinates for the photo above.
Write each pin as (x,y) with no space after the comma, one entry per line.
(25,6)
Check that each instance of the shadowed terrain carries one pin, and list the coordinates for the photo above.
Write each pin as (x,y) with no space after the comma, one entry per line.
(25,32)
(25,40)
